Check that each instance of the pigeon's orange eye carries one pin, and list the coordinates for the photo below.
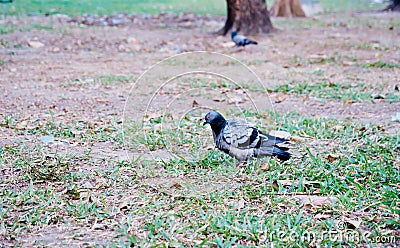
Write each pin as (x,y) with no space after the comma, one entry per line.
(208,117)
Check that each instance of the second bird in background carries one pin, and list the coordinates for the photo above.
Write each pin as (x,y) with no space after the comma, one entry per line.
(241,40)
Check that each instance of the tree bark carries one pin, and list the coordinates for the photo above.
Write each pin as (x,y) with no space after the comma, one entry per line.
(232,8)
(394,6)
(250,17)
(287,8)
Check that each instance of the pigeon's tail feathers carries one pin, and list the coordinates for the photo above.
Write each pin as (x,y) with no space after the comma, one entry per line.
(270,147)
(281,154)
(268,150)
(253,42)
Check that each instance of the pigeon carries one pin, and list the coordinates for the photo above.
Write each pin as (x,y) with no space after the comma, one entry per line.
(241,40)
(241,140)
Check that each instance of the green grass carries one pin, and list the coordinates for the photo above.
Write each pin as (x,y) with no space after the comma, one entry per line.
(344,92)
(23,28)
(210,201)
(78,129)
(362,177)
(382,64)
(74,8)
(305,23)
(199,197)
(346,5)
(103,80)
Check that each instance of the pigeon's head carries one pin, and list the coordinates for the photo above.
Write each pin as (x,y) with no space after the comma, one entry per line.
(214,118)
(233,33)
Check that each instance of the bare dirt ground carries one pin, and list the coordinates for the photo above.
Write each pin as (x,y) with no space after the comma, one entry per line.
(33,79)
(60,73)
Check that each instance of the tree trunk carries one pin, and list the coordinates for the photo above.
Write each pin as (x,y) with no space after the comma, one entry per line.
(232,8)
(250,17)
(287,8)
(394,6)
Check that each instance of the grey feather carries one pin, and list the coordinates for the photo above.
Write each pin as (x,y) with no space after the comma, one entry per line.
(241,40)
(242,140)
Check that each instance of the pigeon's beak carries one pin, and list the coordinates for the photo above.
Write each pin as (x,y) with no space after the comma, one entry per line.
(205,123)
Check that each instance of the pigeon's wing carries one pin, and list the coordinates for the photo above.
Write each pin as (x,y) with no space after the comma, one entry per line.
(269,147)
(241,134)
(269,140)
(243,140)
(239,39)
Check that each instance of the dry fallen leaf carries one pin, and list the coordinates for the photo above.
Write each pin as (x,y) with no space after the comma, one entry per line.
(284,182)
(315,200)
(87,185)
(188,145)
(56,50)
(218,99)
(322,216)
(353,224)
(176,185)
(99,226)
(241,204)
(101,183)
(348,63)
(8,146)
(296,139)
(318,58)
(132,40)
(349,101)
(378,96)
(280,99)
(157,127)
(22,125)
(123,206)
(363,128)
(235,99)
(35,44)
(83,194)
(333,157)
(227,44)
(264,167)
(287,182)
(338,128)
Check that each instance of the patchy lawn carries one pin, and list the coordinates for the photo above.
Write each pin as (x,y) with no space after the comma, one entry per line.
(97,151)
